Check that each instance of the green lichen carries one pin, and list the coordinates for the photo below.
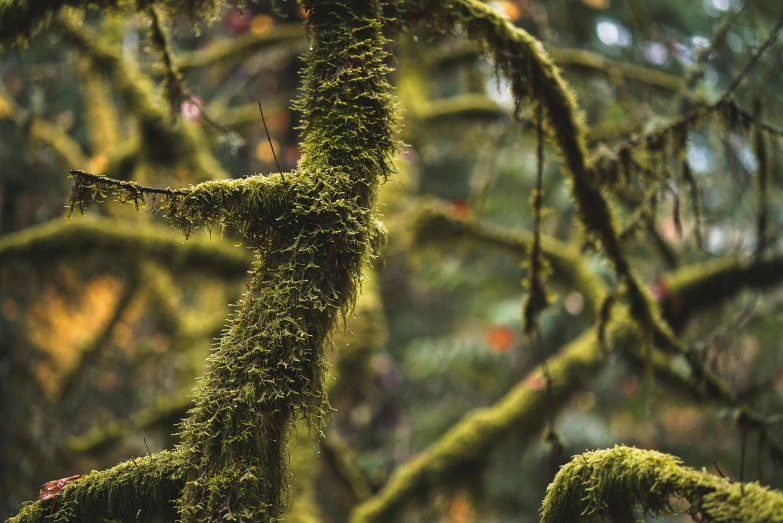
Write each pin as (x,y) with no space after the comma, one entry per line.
(610,484)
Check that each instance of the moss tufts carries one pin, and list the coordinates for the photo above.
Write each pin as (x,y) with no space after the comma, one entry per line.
(142,489)
(611,484)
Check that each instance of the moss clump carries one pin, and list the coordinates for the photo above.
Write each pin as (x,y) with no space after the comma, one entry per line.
(611,484)
(142,489)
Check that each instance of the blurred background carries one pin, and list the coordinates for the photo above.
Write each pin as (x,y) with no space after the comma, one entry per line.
(106,319)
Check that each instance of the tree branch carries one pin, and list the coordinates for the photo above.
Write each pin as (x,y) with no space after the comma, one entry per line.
(434,224)
(612,483)
(162,143)
(140,489)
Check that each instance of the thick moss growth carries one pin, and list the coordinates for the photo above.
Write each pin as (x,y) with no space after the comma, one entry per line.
(610,484)
(142,489)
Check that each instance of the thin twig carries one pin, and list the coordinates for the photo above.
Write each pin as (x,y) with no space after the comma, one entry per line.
(271,146)
(122,184)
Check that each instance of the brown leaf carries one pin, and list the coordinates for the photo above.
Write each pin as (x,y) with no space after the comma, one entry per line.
(51,488)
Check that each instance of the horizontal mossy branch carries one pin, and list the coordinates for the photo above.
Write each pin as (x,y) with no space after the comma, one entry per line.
(613,483)
(435,224)
(251,206)
(141,489)
(62,239)
(466,446)
(166,411)
(162,143)
(473,108)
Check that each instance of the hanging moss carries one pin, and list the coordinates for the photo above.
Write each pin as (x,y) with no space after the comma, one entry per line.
(611,484)
(174,89)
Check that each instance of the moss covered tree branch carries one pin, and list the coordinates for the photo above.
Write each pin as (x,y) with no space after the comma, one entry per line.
(613,483)
(20,20)
(251,206)
(139,489)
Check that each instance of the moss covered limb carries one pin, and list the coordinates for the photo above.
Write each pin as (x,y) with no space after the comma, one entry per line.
(21,19)
(612,483)
(577,60)
(126,240)
(434,224)
(253,207)
(469,442)
(707,285)
(142,489)
(166,411)
(162,143)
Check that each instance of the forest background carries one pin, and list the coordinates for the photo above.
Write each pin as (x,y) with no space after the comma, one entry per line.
(106,319)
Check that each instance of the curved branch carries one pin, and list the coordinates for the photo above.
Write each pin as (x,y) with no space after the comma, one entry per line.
(612,483)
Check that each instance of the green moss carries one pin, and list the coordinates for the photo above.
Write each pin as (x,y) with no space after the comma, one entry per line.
(20,20)
(142,489)
(610,484)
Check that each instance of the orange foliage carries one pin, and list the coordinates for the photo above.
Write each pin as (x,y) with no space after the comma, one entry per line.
(501,338)
(62,328)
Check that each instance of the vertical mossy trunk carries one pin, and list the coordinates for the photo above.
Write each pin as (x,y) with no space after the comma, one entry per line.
(267,370)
